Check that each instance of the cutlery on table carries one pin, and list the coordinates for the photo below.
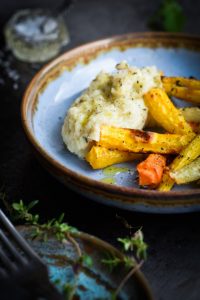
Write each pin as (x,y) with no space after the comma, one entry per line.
(20,263)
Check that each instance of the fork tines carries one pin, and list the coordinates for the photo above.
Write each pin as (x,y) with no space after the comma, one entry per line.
(19,260)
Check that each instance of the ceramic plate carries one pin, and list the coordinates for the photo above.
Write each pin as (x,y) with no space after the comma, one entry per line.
(95,282)
(58,84)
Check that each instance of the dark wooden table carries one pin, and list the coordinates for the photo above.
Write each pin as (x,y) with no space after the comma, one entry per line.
(173,264)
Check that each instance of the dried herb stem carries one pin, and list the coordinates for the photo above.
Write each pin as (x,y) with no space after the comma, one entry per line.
(128,275)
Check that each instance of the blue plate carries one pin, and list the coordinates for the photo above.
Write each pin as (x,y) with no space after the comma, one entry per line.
(58,84)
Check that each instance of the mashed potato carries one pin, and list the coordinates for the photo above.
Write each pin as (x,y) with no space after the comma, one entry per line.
(112,99)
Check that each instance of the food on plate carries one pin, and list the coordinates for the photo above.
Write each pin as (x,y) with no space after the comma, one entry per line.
(151,170)
(134,140)
(112,99)
(181,82)
(167,182)
(190,114)
(101,157)
(108,124)
(183,88)
(165,113)
(189,173)
(186,156)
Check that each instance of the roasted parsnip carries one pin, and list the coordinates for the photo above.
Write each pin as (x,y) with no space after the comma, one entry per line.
(189,173)
(101,157)
(140,141)
(186,156)
(162,109)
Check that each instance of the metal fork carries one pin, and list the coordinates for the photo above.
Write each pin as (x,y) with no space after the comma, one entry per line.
(20,263)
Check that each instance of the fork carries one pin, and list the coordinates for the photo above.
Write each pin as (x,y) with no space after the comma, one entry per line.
(20,262)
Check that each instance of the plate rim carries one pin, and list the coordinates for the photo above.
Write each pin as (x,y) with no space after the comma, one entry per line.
(124,193)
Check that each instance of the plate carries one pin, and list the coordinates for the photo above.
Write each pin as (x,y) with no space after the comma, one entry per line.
(58,84)
(95,282)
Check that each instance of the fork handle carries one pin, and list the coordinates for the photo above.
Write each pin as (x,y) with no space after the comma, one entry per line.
(49,292)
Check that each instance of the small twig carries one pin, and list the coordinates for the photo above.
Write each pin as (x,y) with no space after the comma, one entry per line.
(79,252)
(126,278)
(125,223)
(75,244)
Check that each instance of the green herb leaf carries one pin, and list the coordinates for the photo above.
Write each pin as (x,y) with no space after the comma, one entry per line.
(56,226)
(127,243)
(87,260)
(129,261)
(16,206)
(169,17)
(135,243)
(22,212)
(111,261)
(68,290)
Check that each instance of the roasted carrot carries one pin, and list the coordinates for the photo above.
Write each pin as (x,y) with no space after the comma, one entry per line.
(151,170)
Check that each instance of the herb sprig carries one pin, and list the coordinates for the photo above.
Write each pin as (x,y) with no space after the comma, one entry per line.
(55,226)
(61,231)
(137,248)
(134,244)
(168,17)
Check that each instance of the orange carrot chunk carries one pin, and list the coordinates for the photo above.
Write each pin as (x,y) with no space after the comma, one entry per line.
(151,170)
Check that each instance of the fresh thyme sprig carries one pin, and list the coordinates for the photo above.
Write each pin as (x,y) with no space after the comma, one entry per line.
(111,261)
(55,226)
(134,244)
(22,212)
(59,229)
(138,248)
